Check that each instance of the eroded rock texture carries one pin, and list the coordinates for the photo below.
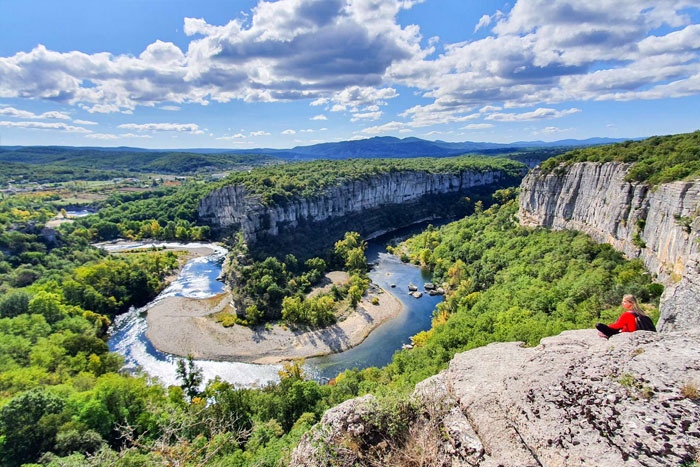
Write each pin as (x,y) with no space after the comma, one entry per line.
(574,400)
(659,225)
(232,207)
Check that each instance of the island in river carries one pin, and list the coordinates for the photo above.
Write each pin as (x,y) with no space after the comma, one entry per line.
(182,326)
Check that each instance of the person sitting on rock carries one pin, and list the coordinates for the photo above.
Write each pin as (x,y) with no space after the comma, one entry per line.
(627,322)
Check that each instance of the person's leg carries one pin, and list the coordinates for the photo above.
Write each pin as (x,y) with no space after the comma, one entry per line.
(606,330)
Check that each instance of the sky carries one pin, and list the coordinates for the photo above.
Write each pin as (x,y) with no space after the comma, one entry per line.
(250,74)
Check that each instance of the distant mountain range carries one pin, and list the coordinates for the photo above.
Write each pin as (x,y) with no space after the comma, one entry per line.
(380,146)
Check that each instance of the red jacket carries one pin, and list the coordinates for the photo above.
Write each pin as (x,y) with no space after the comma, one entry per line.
(625,323)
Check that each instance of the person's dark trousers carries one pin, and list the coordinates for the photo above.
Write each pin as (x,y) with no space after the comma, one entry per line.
(607,330)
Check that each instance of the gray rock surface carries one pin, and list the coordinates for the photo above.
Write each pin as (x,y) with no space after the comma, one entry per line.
(635,219)
(574,400)
(233,207)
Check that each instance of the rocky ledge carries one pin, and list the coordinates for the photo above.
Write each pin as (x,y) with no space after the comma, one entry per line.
(576,399)
(659,225)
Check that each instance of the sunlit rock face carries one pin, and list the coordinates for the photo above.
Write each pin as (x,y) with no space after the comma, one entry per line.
(232,207)
(658,225)
(574,400)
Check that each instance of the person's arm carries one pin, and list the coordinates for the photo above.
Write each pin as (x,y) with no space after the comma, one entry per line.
(623,322)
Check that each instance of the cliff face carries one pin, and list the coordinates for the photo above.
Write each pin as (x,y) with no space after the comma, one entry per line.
(576,399)
(233,207)
(659,226)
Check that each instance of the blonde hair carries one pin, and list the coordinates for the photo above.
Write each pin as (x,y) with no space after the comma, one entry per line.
(635,305)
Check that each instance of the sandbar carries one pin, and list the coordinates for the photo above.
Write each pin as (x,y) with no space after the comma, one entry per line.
(185,326)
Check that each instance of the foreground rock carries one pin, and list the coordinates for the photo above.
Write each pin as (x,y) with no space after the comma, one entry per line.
(658,225)
(576,399)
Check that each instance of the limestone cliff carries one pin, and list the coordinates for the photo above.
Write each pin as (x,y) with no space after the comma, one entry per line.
(658,225)
(363,202)
(574,400)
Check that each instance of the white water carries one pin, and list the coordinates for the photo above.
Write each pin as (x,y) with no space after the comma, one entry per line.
(197,280)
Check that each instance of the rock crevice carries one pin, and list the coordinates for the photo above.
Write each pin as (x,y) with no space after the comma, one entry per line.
(574,400)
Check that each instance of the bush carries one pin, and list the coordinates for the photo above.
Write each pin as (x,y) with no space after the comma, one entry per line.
(14,303)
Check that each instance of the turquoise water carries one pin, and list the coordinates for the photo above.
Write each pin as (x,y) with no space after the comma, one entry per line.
(198,279)
(380,345)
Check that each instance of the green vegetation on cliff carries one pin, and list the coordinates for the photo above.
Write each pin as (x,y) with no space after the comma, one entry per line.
(279,183)
(660,159)
(509,283)
(63,402)
(270,289)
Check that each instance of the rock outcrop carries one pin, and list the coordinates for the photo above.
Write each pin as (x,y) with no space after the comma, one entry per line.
(576,399)
(658,225)
(233,207)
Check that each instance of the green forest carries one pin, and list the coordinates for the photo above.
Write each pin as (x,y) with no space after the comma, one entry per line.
(278,183)
(656,160)
(170,213)
(63,402)
(91,161)
(271,289)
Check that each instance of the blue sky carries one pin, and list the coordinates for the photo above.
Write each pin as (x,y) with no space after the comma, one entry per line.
(246,74)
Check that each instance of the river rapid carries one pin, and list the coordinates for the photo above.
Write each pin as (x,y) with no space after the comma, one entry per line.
(198,279)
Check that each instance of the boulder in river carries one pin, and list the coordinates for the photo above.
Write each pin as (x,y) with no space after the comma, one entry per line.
(429,286)
(412,287)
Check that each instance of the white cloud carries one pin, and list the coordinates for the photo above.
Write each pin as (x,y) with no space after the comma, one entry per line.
(85,122)
(354,97)
(385,128)
(485,20)
(52,115)
(190,127)
(538,114)
(549,130)
(554,51)
(281,51)
(171,108)
(490,108)
(102,136)
(134,135)
(540,53)
(60,126)
(319,117)
(237,136)
(366,116)
(309,130)
(108,136)
(259,133)
(477,126)
(289,132)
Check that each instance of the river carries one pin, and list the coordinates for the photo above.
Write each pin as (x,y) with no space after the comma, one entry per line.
(198,279)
